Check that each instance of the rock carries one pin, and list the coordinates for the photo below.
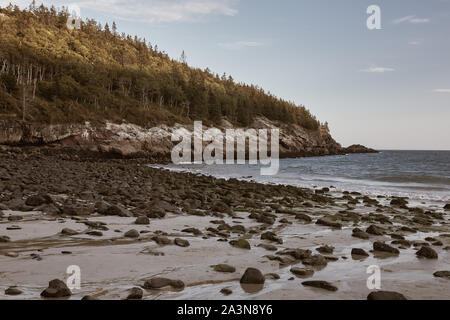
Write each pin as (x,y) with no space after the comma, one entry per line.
(442,274)
(4,239)
(15,218)
(447,206)
(226,291)
(400,202)
(38,200)
(13,291)
(298,254)
(69,232)
(242,244)
(326,249)
(385,295)
(403,243)
(132,234)
(427,252)
(272,276)
(142,221)
(383,247)
(316,260)
(117,211)
(302,272)
(374,230)
(252,276)
(220,206)
(71,210)
(225,268)
(159,283)
(357,233)
(320,284)
(303,217)
(95,233)
(329,223)
(181,243)
(87,298)
(268,247)
(271,237)
(135,294)
(194,231)
(56,289)
(359,252)
(162,240)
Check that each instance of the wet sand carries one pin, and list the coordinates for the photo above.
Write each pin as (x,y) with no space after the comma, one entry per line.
(111,264)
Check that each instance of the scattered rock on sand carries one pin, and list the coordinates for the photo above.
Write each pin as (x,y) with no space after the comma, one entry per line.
(383,247)
(69,232)
(225,268)
(374,230)
(326,249)
(303,217)
(13,291)
(320,284)
(242,244)
(142,221)
(427,252)
(302,272)
(132,234)
(181,242)
(4,239)
(399,202)
(385,295)
(358,233)
(268,247)
(329,223)
(159,283)
(359,252)
(272,276)
(316,260)
(442,274)
(226,291)
(135,294)
(194,231)
(253,276)
(271,237)
(56,289)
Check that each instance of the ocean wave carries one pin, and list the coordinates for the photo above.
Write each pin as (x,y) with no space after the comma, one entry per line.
(415,179)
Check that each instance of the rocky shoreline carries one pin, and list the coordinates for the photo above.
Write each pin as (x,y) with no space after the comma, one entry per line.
(128,140)
(142,233)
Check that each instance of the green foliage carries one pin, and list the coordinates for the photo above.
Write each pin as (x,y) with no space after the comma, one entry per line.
(96,74)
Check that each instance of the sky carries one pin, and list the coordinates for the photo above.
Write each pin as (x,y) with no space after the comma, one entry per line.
(386,88)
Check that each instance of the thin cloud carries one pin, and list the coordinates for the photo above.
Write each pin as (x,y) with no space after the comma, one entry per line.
(442,90)
(411,19)
(240,44)
(377,70)
(149,10)
(416,42)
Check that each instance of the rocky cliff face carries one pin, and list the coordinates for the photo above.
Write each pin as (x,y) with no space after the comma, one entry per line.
(130,140)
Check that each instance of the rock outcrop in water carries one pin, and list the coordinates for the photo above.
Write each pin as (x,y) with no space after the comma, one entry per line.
(130,140)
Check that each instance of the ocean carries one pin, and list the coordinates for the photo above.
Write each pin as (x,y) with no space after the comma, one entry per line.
(418,175)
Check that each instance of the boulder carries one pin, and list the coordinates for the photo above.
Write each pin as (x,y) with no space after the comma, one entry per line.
(427,252)
(253,276)
(385,295)
(56,289)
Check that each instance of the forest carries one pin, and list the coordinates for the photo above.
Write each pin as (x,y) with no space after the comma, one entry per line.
(50,73)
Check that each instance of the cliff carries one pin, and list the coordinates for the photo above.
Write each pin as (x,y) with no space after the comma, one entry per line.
(131,140)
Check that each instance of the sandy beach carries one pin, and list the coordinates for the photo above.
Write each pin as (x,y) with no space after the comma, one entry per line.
(63,210)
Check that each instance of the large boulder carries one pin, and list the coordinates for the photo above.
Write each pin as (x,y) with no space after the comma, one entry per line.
(253,276)
(56,289)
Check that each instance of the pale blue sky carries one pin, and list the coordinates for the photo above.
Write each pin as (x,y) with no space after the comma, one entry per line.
(317,53)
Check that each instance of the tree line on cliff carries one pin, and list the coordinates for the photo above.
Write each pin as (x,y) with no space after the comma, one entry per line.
(51,73)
